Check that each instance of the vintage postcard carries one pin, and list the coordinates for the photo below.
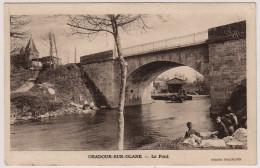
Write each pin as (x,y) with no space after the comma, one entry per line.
(130,84)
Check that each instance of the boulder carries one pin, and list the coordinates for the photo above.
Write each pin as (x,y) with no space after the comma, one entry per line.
(51,91)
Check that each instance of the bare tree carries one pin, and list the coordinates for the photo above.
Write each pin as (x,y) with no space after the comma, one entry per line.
(203,85)
(49,39)
(180,76)
(18,31)
(91,26)
(55,44)
(51,43)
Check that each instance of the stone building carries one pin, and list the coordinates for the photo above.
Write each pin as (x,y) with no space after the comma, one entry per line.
(50,62)
(30,56)
(31,51)
(175,85)
(22,51)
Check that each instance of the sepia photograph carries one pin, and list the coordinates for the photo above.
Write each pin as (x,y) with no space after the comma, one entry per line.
(131,80)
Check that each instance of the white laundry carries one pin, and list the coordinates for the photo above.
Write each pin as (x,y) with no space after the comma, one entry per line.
(241,134)
(213,143)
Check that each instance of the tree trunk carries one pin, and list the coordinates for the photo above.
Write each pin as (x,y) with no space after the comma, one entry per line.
(123,69)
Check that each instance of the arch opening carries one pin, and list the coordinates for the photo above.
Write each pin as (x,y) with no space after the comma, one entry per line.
(138,82)
(139,79)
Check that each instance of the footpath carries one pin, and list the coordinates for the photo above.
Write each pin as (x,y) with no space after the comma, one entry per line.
(27,86)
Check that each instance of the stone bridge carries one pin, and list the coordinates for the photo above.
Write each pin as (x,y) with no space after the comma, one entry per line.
(218,53)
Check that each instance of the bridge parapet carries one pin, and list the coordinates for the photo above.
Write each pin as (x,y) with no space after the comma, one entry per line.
(175,42)
(97,57)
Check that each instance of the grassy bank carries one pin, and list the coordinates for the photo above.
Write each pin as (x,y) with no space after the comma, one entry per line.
(166,144)
(177,144)
(33,103)
(18,76)
(65,80)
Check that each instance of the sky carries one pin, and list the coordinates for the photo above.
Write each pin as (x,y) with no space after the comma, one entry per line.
(170,26)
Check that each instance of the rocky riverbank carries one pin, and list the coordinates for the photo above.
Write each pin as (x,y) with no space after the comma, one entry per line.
(72,109)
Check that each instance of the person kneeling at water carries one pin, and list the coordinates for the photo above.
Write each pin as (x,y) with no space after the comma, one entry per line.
(190,131)
(222,131)
(191,136)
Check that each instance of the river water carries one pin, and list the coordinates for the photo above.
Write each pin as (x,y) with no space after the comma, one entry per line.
(144,124)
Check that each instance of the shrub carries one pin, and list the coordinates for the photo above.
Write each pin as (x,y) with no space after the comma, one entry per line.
(36,104)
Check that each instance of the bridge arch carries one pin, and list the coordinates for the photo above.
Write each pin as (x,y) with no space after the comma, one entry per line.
(142,77)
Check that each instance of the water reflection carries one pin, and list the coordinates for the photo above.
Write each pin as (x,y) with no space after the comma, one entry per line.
(137,130)
(99,131)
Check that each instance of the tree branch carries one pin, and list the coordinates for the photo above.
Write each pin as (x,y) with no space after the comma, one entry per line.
(89,29)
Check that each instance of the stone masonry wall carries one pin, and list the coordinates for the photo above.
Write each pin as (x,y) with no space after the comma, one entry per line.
(227,69)
(106,79)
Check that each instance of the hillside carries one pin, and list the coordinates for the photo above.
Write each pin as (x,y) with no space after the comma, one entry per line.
(68,83)
(18,77)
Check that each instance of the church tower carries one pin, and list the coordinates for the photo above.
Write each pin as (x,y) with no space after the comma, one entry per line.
(30,51)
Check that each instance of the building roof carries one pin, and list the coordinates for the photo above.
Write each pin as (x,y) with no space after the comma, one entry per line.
(46,58)
(30,47)
(22,51)
(175,81)
(49,57)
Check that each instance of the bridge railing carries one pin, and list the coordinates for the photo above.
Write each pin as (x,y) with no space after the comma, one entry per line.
(166,44)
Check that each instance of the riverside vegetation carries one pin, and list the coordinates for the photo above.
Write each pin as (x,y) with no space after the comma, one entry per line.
(38,103)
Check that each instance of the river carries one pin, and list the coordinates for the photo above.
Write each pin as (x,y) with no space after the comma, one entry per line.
(144,124)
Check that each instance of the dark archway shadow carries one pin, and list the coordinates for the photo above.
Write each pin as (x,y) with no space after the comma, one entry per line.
(99,98)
